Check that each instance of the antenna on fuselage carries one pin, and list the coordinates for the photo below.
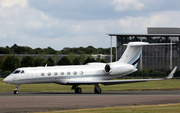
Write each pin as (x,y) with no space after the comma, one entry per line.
(45,65)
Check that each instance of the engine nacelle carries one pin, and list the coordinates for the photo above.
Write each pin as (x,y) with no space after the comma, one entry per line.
(117,69)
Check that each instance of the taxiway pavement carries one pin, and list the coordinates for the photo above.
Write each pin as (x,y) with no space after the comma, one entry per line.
(45,101)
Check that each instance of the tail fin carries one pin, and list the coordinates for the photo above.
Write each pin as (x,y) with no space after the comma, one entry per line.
(132,53)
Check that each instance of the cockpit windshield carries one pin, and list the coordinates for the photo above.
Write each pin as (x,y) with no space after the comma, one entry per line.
(22,71)
(18,71)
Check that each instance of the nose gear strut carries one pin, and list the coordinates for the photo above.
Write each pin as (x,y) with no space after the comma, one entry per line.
(16,89)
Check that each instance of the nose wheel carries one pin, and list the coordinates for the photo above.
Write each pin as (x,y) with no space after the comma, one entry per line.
(16,89)
(16,92)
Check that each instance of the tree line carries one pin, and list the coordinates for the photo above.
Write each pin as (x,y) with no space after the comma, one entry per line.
(15,49)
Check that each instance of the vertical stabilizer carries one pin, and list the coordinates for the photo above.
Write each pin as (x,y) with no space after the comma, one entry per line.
(132,53)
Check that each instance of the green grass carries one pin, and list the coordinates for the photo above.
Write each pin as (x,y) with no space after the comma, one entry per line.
(167,108)
(173,84)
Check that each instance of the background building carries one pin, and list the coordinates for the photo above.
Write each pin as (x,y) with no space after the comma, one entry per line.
(162,57)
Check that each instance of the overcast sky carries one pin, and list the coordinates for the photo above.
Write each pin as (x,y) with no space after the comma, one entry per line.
(75,23)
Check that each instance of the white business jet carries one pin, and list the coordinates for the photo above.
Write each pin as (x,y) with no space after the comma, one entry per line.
(91,73)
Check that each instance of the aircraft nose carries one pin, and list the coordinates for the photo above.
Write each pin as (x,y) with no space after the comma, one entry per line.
(8,79)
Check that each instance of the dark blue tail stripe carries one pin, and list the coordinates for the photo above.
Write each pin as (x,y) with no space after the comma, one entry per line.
(135,62)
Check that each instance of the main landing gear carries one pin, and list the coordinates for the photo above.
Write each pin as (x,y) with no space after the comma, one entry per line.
(97,89)
(16,89)
(78,90)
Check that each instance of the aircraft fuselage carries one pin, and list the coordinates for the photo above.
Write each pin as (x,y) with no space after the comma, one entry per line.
(64,74)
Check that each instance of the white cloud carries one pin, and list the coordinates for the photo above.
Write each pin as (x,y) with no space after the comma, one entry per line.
(158,19)
(124,5)
(30,26)
(10,3)
(35,24)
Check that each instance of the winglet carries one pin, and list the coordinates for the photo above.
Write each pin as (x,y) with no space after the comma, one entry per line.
(172,73)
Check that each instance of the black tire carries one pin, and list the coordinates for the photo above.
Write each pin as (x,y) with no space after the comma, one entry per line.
(16,92)
(97,91)
(78,90)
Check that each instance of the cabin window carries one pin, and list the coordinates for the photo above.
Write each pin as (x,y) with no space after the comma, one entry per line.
(49,74)
(81,72)
(42,74)
(68,73)
(16,71)
(55,73)
(62,73)
(22,71)
(74,72)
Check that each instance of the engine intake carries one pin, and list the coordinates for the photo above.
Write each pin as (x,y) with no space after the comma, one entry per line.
(108,69)
(118,69)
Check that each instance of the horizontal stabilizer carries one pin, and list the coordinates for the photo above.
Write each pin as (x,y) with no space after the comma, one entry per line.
(146,44)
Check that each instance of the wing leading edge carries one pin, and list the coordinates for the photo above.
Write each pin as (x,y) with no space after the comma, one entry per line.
(112,82)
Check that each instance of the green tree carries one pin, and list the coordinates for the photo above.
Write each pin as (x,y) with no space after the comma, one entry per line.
(27,61)
(57,57)
(64,61)
(50,50)
(76,61)
(82,57)
(39,61)
(71,57)
(89,60)
(38,51)
(50,62)
(10,63)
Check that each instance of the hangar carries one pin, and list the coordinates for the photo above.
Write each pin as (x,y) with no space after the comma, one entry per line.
(162,57)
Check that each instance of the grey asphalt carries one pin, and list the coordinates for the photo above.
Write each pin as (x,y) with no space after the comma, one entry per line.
(110,93)
(47,101)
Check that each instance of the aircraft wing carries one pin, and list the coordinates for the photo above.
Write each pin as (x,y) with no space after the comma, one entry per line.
(111,82)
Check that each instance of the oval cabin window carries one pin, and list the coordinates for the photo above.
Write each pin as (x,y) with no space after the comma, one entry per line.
(68,73)
(74,72)
(55,73)
(42,74)
(49,74)
(81,72)
(62,73)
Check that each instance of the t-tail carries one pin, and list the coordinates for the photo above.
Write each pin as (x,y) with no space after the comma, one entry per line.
(132,53)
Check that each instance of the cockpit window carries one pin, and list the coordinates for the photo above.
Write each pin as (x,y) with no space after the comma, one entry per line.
(16,71)
(22,71)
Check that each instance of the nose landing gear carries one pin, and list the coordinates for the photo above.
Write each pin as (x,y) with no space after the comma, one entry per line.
(16,89)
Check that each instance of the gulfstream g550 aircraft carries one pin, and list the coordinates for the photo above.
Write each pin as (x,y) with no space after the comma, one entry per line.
(91,73)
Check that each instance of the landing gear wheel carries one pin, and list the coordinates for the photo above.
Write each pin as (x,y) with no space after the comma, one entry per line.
(97,91)
(78,90)
(16,92)
(16,89)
